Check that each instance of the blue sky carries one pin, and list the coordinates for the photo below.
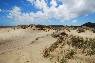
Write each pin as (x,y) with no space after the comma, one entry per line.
(66,12)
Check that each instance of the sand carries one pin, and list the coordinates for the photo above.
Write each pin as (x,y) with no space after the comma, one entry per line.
(24,46)
(27,45)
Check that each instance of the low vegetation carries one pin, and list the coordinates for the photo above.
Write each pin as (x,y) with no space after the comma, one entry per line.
(61,38)
(93,30)
(80,30)
(69,55)
(74,45)
(87,45)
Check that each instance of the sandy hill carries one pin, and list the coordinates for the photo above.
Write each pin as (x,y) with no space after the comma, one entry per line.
(37,45)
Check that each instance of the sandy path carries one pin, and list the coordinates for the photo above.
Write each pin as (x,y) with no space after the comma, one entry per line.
(26,49)
(37,49)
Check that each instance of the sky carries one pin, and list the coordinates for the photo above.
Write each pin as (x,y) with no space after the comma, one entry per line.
(48,12)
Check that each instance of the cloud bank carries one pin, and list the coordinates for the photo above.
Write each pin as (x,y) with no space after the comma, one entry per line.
(69,9)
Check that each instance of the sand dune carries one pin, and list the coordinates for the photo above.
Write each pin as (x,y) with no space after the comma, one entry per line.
(22,46)
(28,45)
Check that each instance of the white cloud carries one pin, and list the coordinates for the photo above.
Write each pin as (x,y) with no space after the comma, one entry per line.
(20,17)
(0,10)
(80,7)
(68,10)
(25,18)
(53,3)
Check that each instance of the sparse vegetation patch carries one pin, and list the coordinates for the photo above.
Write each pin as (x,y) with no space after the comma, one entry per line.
(74,45)
(87,45)
(80,30)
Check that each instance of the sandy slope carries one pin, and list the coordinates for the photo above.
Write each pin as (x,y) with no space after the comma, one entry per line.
(86,34)
(22,46)
(26,46)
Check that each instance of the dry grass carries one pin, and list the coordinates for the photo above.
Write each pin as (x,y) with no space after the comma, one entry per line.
(68,46)
(87,45)
(80,30)
(5,41)
(93,30)
(46,52)
(60,38)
